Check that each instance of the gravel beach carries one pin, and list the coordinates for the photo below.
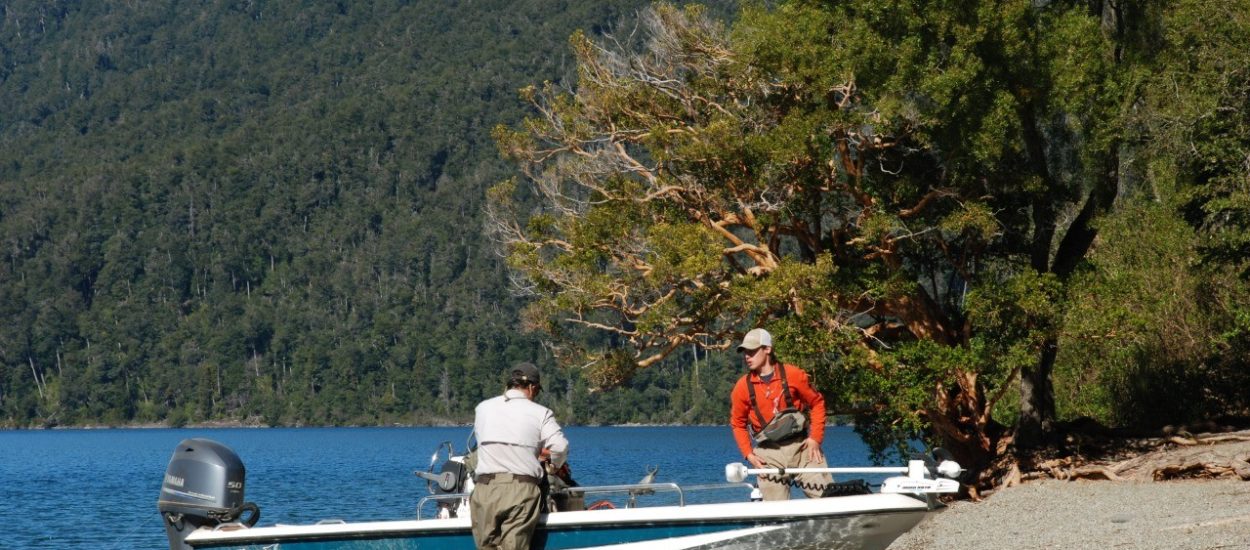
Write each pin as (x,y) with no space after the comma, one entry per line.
(1187,515)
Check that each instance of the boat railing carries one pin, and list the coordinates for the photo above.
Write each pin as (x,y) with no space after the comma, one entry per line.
(632,489)
(641,489)
(714,486)
(445,496)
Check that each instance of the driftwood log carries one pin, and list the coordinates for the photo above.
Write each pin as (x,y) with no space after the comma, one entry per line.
(1179,456)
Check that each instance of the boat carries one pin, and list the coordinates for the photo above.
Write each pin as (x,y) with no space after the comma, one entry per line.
(203,508)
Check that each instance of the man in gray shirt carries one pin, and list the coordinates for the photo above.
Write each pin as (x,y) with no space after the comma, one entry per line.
(512,432)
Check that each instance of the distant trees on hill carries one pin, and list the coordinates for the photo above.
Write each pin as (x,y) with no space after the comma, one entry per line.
(269,211)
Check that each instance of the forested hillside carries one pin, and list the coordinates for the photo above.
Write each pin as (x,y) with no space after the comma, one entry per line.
(271,212)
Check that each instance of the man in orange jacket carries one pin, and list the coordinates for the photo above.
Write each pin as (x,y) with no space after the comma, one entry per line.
(768,390)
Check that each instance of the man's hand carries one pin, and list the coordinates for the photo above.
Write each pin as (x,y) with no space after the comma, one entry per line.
(812,448)
(756,461)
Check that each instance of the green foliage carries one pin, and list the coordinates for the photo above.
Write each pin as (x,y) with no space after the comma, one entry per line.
(1152,336)
(1148,338)
(1020,310)
(879,183)
(1198,97)
(263,212)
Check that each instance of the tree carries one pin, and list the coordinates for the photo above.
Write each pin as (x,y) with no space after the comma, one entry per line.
(1198,122)
(1195,122)
(899,192)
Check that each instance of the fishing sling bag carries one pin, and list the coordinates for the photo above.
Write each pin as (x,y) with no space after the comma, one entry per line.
(788,422)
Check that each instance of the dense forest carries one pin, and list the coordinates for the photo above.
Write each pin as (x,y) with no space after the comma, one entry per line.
(980,222)
(270,212)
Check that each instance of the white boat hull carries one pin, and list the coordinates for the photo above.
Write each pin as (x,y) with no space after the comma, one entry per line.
(868,522)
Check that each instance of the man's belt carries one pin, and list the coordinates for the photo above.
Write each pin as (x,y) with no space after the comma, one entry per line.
(483,479)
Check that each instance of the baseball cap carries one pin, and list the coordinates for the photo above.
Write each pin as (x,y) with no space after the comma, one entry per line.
(756,338)
(526,372)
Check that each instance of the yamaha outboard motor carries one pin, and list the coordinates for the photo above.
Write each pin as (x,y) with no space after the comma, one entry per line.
(203,487)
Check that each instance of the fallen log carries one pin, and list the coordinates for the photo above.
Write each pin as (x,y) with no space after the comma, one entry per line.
(1188,456)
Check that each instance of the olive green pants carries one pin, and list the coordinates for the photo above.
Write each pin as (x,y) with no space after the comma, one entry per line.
(790,454)
(504,513)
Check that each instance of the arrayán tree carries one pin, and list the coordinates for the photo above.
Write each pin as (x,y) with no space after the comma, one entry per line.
(898,190)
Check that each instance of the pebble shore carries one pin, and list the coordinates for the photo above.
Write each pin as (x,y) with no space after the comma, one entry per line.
(1068,515)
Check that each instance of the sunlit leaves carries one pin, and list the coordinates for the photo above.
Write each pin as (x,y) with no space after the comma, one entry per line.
(972,219)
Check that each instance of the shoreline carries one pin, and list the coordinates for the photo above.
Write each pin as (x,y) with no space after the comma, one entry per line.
(1205,505)
(238,424)
(1189,514)
(248,425)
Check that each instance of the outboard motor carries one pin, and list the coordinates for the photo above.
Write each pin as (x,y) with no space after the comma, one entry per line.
(452,479)
(203,487)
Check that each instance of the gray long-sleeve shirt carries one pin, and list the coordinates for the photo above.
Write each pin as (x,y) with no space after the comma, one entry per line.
(511,431)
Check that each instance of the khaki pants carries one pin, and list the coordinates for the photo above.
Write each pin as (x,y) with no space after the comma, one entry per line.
(790,454)
(504,513)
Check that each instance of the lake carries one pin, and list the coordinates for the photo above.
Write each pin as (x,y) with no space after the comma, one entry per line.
(97,489)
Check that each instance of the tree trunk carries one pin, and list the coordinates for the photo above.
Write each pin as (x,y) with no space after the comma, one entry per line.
(1037,394)
(1037,401)
(961,421)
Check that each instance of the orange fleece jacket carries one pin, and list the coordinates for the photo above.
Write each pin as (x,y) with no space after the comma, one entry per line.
(802,395)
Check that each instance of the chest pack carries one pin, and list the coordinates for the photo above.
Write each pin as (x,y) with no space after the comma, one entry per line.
(788,422)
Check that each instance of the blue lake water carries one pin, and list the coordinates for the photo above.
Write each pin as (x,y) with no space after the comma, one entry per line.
(97,489)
